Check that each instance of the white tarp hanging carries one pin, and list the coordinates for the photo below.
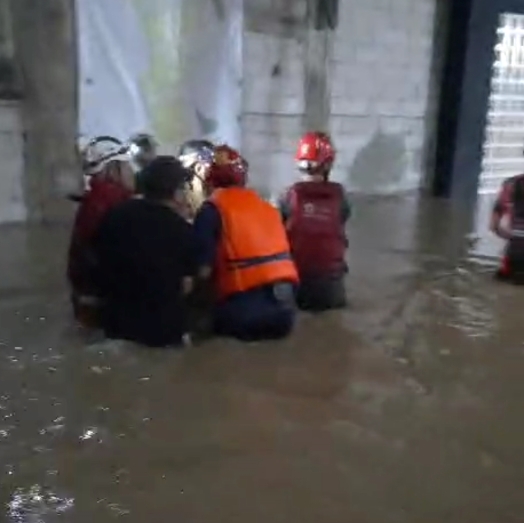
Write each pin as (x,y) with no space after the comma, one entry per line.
(170,67)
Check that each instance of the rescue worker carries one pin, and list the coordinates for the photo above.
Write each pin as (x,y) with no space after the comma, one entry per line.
(88,156)
(315,211)
(145,254)
(197,157)
(111,181)
(243,249)
(507,222)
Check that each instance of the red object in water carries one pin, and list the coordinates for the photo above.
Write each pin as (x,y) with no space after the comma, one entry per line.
(315,229)
(504,269)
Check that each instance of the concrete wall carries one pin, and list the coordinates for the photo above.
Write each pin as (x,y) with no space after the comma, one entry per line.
(45,52)
(381,101)
(273,107)
(379,93)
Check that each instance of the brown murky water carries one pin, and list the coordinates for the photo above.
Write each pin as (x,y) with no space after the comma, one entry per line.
(405,408)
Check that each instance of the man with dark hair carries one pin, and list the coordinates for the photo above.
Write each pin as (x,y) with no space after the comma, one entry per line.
(145,252)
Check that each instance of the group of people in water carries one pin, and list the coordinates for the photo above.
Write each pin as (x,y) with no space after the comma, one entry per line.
(162,245)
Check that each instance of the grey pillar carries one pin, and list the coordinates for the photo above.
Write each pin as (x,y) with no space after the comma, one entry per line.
(45,51)
(318,60)
(9,75)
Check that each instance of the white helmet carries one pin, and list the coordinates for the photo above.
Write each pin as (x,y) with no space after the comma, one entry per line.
(102,150)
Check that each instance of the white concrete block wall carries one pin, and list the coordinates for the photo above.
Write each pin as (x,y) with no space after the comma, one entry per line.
(273,108)
(381,74)
(380,83)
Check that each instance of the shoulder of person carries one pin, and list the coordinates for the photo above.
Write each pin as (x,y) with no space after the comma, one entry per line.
(127,206)
(512,180)
(286,194)
(207,219)
(506,187)
(207,208)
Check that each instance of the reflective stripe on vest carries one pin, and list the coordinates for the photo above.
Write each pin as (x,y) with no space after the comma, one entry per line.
(246,263)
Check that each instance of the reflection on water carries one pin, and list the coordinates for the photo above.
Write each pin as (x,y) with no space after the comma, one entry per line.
(406,407)
(35,505)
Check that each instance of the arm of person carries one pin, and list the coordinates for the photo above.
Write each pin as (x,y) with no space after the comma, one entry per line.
(284,206)
(207,228)
(500,211)
(102,238)
(189,261)
(346,210)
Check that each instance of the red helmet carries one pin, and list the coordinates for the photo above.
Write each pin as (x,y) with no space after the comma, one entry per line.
(229,168)
(315,150)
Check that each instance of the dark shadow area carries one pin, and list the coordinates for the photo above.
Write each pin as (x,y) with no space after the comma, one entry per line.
(441,28)
(382,163)
(206,125)
(10,88)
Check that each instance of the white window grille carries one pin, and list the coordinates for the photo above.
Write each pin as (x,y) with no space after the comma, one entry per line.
(503,153)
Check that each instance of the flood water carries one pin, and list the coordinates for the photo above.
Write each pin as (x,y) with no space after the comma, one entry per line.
(407,407)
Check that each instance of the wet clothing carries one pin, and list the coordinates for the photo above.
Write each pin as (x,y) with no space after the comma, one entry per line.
(510,204)
(322,294)
(264,313)
(144,251)
(82,267)
(315,214)
(285,206)
(258,303)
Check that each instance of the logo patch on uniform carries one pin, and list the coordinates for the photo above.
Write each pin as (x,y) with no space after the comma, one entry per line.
(309,209)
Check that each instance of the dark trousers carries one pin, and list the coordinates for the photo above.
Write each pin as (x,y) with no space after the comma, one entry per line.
(152,325)
(255,315)
(321,293)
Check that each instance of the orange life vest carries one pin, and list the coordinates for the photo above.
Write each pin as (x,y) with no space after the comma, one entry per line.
(253,249)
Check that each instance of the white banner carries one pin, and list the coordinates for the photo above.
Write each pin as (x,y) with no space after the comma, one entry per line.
(169,67)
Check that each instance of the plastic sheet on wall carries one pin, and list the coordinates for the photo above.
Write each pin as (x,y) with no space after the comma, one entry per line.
(170,67)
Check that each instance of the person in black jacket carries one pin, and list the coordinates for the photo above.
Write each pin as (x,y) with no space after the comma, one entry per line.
(145,252)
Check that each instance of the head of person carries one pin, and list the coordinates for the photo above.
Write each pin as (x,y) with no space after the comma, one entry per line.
(229,169)
(107,159)
(163,181)
(315,156)
(143,149)
(197,156)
